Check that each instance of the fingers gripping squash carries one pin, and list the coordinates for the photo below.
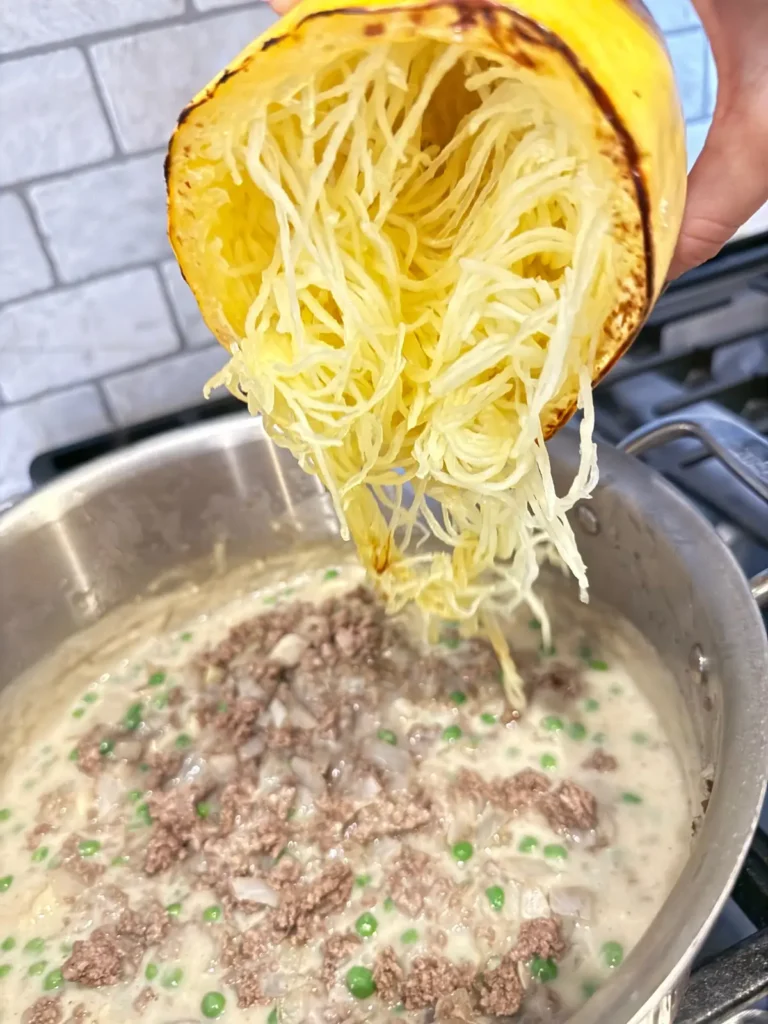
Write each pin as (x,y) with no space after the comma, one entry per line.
(423,230)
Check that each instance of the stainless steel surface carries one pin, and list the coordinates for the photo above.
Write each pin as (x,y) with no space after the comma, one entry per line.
(104,535)
(738,447)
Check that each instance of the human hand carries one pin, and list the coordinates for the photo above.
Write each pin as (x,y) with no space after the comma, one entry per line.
(729,181)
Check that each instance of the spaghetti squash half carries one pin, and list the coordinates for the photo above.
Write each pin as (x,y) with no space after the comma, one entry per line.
(423,230)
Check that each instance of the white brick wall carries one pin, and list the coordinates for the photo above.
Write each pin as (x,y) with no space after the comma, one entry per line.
(97,326)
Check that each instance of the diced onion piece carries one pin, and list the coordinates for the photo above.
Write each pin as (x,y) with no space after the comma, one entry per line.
(533,903)
(572,901)
(288,650)
(309,775)
(254,890)
(254,747)
(384,755)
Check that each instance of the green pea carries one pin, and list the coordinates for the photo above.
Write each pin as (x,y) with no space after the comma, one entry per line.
(5,813)
(452,733)
(158,678)
(6,882)
(134,795)
(612,953)
(549,652)
(362,880)
(366,925)
(119,862)
(172,978)
(631,798)
(160,701)
(409,937)
(534,624)
(53,980)
(527,844)
(589,988)
(78,712)
(488,719)
(548,762)
(616,690)
(106,747)
(89,847)
(554,851)
(173,909)
(330,574)
(458,697)
(74,754)
(577,731)
(36,945)
(495,896)
(8,944)
(552,723)
(183,740)
(222,707)
(212,1004)
(272,1018)
(271,599)
(133,717)
(462,852)
(389,904)
(36,969)
(641,738)
(40,854)
(202,809)
(151,971)
(5,970)
(211,914)
(599,738)
(598,665)
(585,652)
(590,704)
(360,983)
(387,736)
(451,641)
(185,637)
(89,698)
(543,970)
(142,813)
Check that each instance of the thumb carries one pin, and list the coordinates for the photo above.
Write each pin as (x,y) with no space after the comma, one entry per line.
(728,183)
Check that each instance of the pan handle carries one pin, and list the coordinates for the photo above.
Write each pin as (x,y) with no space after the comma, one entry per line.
(741,449)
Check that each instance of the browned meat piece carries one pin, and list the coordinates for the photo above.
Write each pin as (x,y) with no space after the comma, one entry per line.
(470,785)
(284,874)
(56,803)
(305,908)
(332,816)
(246,981)
(455,1008)
(501,991)
(143,999)
(175,811)
(242,804)
(36,834)
(95,962)
(540,937)
(85,869)
(45,1010)
(163,850)
(410,880)
(599,761)
(337,949)
(148,925)
(162,768)
(90,760)
(254,945)
(238,722)
(569,807)
(480,663)
(79,1015)
(388,976)
(520,791)
(392,816)
(430,978)
(558,683)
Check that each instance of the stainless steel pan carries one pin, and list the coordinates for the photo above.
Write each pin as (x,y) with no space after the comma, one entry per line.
(101,537)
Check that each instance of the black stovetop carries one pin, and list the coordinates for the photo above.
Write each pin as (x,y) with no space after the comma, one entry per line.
(704,347)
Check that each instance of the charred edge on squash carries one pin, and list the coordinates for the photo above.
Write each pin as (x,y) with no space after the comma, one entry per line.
(190,109)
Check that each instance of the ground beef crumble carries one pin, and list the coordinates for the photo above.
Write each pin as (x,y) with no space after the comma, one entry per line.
(431,977)
(542,937)
(337,949)
(303,909)
(388,975)
(500,990)
(395,815)
(45,1010)
(599,761)
(96,961)
(569,807)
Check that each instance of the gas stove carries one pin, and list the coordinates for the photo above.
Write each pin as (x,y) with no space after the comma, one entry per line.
(702,357)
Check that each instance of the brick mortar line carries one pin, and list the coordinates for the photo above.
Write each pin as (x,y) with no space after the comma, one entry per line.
(101,99)
(47,253)
(118,159)
(175,318)
(189,16)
